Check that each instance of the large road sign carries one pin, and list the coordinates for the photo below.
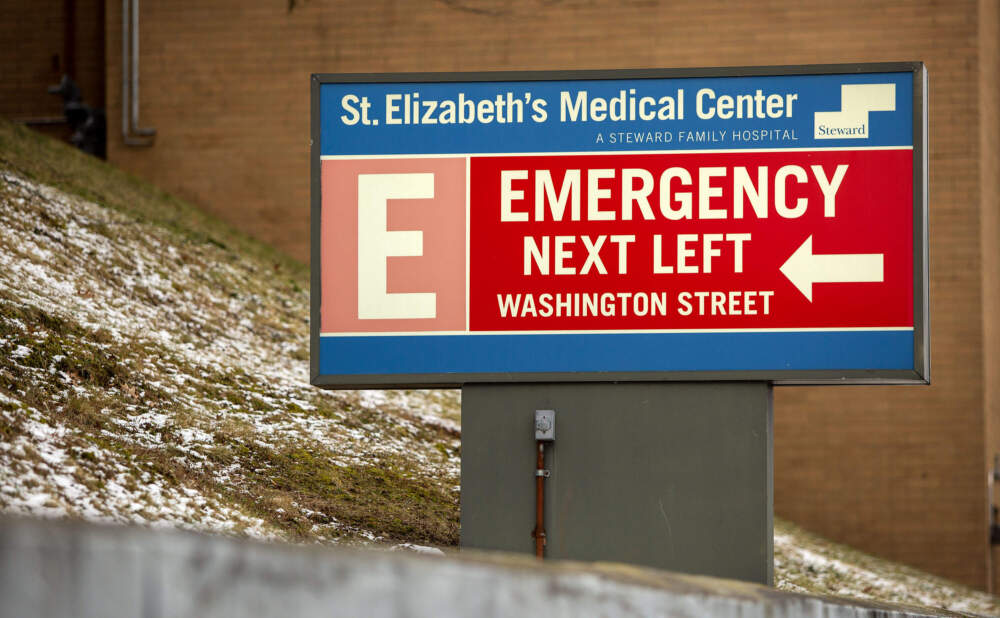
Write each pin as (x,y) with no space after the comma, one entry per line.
(735,224)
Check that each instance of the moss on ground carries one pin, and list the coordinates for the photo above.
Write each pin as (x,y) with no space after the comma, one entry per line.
(304,485)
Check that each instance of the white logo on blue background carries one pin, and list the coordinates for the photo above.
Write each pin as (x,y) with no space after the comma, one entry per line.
(852,121)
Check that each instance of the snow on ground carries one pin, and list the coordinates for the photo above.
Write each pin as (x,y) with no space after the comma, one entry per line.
(150,379)
(804,562)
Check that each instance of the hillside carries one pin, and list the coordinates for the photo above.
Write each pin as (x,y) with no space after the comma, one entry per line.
(154,375)
(154,371)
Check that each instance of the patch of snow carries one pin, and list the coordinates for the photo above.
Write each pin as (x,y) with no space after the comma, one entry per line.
(418,549)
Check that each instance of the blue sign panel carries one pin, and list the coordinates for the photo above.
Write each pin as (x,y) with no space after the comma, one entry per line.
(628,114)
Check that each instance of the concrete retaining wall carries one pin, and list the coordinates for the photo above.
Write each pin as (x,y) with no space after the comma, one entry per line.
(57,569)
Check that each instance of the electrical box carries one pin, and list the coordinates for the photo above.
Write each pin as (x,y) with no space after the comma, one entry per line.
(545,425)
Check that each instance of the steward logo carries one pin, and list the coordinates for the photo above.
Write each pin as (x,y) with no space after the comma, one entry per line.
(856,100)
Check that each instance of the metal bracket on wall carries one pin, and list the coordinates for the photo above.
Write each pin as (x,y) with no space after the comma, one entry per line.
(132,133)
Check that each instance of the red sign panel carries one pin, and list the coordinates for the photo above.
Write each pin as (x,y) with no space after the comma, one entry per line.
(692,241)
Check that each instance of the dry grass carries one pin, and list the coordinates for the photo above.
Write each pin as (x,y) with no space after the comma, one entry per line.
(170,374)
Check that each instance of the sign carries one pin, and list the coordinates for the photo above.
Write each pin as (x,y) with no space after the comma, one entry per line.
(722,224)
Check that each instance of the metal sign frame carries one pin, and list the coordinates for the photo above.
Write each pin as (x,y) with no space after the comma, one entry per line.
(919,374)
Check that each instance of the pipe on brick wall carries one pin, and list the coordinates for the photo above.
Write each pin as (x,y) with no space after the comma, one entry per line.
(132,133)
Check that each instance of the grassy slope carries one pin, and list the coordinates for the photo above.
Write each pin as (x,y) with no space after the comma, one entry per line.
(153,370)
(145,344)
(58,165)
(805,562)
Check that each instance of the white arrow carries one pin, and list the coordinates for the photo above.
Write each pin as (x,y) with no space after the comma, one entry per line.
(804,269)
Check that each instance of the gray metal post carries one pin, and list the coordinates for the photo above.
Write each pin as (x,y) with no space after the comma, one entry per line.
(676,476)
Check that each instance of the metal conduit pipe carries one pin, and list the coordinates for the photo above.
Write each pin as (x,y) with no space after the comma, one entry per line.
(132,133)
(539,533)
(545,431)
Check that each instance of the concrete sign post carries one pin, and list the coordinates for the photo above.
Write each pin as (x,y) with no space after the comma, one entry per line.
(680,239)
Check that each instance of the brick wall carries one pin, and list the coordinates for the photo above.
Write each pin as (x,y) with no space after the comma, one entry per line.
(898,471)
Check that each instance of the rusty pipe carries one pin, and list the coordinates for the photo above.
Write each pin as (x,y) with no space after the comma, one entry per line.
(540,503)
